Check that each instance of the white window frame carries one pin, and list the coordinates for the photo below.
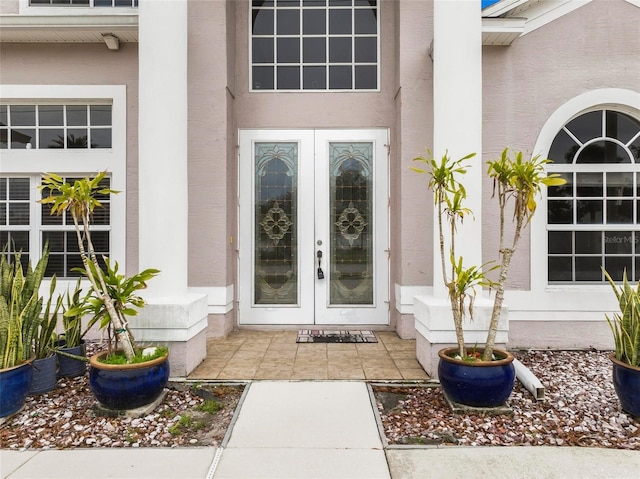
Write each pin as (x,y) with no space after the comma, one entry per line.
(73,162)
(66,10)
(327,63)
(551,302)
(632,168)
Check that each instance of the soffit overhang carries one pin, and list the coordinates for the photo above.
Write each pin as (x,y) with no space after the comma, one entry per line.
(67,28)
(530,15)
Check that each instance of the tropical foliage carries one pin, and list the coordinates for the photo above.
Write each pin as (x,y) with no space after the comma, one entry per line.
(113,297)
(625,325)
(516,181)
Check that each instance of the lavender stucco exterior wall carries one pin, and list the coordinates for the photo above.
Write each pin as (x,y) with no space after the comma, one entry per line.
(525,83)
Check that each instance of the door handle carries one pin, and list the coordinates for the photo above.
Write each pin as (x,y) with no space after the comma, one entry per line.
(320,272)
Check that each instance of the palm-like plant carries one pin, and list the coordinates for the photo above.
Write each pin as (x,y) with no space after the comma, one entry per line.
(112,296)
(519,181)
(449,195)
(515,180)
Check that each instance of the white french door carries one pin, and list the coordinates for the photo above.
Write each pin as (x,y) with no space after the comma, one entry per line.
(313,227)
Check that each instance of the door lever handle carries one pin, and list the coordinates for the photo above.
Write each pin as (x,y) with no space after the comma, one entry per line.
(320,272)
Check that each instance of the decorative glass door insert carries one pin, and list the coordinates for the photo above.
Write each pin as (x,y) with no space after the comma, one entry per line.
(351,254)
(313,227)
(275,269)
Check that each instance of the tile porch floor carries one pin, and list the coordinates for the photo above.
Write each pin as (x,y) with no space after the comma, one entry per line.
(248,354)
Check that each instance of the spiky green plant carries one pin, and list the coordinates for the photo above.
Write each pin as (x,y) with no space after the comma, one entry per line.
(45,337)
(74,308)
(20,308)
(625,325)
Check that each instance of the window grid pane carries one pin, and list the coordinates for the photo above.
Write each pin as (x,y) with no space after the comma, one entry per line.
(55,126)
(593,221)
(325,45)
(59,233)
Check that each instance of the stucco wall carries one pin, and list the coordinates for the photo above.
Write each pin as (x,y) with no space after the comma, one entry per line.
(209,181)
(86,64)
(595,46)
(414,102)
(9,6)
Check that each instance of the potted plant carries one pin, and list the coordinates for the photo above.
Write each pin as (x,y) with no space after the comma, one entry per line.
(45,364)
(480,375)
(70,345)
(123,378)
(625,326)
(20,308)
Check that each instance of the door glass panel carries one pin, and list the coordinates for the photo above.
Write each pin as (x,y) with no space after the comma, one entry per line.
(276,254)
(351,239)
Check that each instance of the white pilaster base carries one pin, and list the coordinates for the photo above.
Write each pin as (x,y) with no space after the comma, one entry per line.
(178,322)
(406,327)
(435,329)
(220,325)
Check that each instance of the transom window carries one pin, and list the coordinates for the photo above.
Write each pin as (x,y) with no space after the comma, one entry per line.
(314,45)
(20,212)
(55,126)
(594,219)
(84,3)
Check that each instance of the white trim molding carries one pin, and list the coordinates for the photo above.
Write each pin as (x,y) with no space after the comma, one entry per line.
(405,297)
(64,161)
(537,14)
(219,299)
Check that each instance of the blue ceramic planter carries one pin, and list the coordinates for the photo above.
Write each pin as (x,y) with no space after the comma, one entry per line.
(127,386)
(626,381)
(44,375)
(478,384)
(14,385)
(69,367)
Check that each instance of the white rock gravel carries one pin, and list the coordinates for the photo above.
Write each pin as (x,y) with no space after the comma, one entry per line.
(580,409)
(64,418)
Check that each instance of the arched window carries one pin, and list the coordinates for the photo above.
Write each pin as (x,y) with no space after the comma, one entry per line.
(594,219)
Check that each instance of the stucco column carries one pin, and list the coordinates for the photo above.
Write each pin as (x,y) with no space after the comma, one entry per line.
(457,112)
(162,130)
(457,119)
(172,315)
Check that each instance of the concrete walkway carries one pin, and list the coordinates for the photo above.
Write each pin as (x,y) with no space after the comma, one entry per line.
(305,430)
(316,429)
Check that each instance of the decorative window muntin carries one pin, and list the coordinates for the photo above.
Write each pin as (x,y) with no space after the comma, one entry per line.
(55,126)
(594,219)
(59,232)
(314,45)
(15,216)
(18,196)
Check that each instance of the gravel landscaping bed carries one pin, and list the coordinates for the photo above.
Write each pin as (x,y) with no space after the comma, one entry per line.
(580,409)
(192,414)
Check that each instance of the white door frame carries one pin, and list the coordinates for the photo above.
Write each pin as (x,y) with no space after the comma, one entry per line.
(312,305)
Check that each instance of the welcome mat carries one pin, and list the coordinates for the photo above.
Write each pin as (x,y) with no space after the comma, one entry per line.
(335,336)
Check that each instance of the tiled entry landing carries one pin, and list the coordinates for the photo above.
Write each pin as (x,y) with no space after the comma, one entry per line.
(247,354)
